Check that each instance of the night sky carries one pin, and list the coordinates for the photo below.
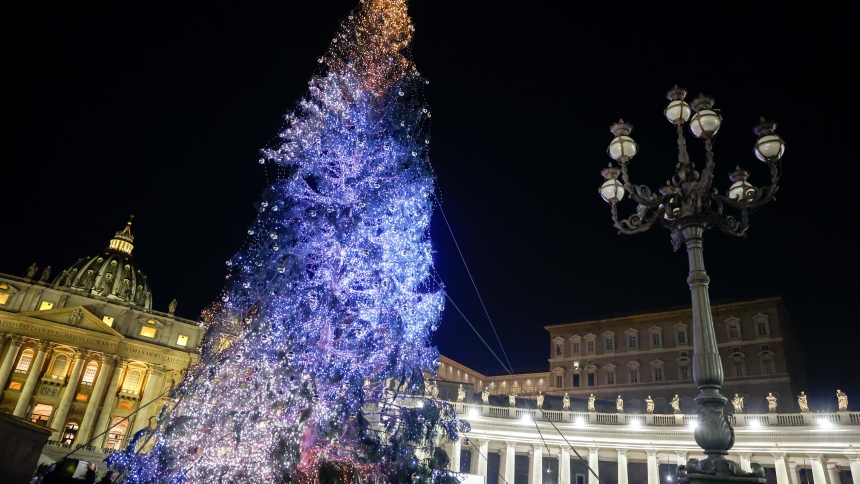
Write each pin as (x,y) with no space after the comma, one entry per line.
(133,108)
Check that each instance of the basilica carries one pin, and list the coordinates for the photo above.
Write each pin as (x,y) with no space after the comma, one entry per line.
(85,354)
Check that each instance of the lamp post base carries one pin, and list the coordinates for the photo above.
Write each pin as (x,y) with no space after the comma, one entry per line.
(718,470)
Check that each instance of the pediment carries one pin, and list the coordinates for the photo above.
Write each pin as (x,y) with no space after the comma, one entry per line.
(72,316)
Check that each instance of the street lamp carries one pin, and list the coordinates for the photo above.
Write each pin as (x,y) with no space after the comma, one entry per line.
(687,206)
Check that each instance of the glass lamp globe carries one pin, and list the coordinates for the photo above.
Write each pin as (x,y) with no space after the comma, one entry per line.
(740,190)
(678,112)
(705,123)
(770,148)
(622,146)
(612,190)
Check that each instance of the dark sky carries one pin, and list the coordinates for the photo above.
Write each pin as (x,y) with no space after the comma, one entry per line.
(159,111)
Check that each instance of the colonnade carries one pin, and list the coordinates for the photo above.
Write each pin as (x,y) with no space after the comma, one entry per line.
(100,402)
(825,469)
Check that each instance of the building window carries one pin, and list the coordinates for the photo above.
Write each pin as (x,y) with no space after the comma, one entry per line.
(576,379)
(132,381)
(41,414)
(182,340)
(24,362)
(108,321)
(684,372)
(589,346)
(558,351)
(116,434)
(60,364)
(591,379)
(147,332)
(576,350)
(656,340)
(46,305)
(559,381)
(738,366)
(634,375)
(609,343)
(765,347)
(734,331)
(69,433)
(4,298)
(767,367)
(681,337)
(632,342)
(83,397)
(658,373)
(15,385)
(736,349)
(761,327)
(90,373)
(580,479)
(610,377)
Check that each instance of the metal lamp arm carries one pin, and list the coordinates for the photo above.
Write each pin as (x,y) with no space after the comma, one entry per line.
(636,223)
(640,193)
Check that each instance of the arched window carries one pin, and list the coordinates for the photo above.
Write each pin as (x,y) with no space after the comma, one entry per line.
(59,368)
(25,361)
(116,434)
(132,381)
(90,373)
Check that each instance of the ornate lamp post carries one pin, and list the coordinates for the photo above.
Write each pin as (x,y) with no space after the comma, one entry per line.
(687,206)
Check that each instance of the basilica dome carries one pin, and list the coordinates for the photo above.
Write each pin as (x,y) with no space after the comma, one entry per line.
(112,274)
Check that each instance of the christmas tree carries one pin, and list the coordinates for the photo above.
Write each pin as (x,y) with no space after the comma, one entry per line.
(314,361)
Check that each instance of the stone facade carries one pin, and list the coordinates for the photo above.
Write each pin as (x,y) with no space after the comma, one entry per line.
(80,354)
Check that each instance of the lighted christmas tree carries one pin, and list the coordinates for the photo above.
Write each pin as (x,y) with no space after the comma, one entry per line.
(331,300)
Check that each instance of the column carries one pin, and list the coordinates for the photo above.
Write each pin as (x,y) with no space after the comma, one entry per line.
(622,466)
(68,395)
(483,448)
(854,460)
(745,461)
(536,465)
(564,466)
(510,461)
(653,470)
(33,378)
(120,365)
(592,463)
(818,474)
(680,459)
(833,473)
(455,454)
(6,367)
(153,388)
(792,472)
(782,470)
(93,405)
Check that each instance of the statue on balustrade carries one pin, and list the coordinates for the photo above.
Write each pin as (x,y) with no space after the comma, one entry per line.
(171,308)
(591,403)
(771,403)
(619,404)
(512,399)
(676,404)
(565,402)
(842,400)
(803,403)
(31,271)
(485,396)
(649,404)
(461,393)
(45,274)
(540,400)
(738,403)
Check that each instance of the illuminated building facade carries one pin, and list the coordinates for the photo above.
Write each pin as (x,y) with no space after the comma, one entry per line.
(82,351)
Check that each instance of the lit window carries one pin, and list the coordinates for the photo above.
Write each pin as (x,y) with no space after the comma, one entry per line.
(151,321)
(108,321)
(4,298)
(125,404)
(182,340)
(46,305)
(90,373)
(116,434)
(82,397)
(132,381)
(59,368)
(15,385)
(24,361)
(147,332)
(69,433)
(41,414)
